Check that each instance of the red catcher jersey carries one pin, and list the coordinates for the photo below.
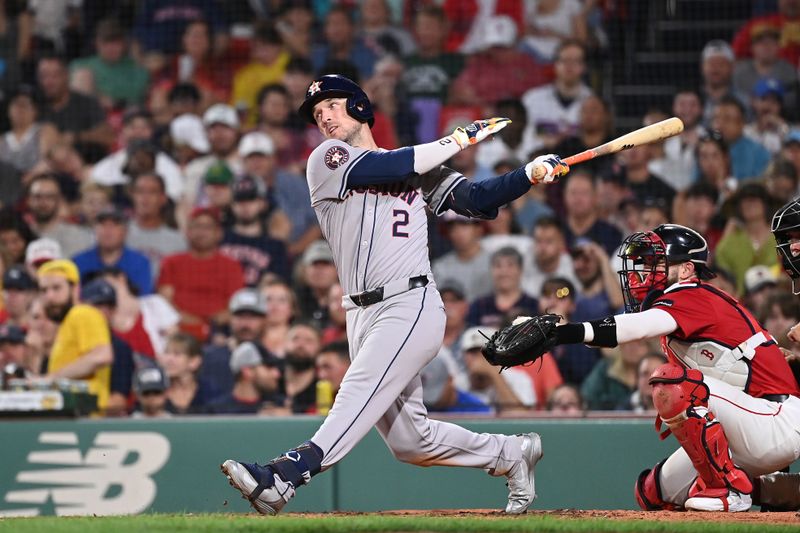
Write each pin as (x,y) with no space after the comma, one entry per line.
(706,314)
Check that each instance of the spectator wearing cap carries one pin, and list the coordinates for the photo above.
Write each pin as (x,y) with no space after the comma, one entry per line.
(27,140)
(119,81)
(137,130)
(468,262)
(768,127)
(550,256)
(148,232)
(19,290)
(144,322)
(439,393)
(288,192)
(188,139)
(760,282)
(456,308)
(554,110)
(342,43)
(716,67)
(150,385)
(257,383)
(302,346)
(217,192)
(79,118)
(82,346)
(785,19)
(12,346)
(222,131)
(575,361)
(749,241)
(247,309)
(499,70)
(200,281)
(247,240)
(268,59)
(317,278)
(791,148)
(15,235)
(601,294)
(45,202)
(181,360)
(582,221)
(101,295)
(512,389)
(765,62)
(110,232)
(41,251)
(507,298)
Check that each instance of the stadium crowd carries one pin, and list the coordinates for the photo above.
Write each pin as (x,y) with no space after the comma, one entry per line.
(156,234)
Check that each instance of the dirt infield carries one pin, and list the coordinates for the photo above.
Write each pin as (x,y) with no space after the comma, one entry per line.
(661,516)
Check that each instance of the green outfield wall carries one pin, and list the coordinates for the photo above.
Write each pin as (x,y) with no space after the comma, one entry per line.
(136,466)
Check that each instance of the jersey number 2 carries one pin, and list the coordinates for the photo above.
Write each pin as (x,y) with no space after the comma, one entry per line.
(399,223)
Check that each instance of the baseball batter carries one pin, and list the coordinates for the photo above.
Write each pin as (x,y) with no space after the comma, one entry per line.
(727,393)
(371,207)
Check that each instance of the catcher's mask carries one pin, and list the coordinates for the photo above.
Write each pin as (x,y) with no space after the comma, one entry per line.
(647,256)
(786,227)
(644,268)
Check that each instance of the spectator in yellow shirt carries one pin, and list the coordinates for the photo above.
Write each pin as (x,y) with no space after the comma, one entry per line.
(82,347)
(268,60)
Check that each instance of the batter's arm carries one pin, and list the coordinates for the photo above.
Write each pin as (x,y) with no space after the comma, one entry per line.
(618,329)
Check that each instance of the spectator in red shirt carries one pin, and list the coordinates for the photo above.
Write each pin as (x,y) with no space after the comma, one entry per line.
(199,282)
(786,20)
(500,71)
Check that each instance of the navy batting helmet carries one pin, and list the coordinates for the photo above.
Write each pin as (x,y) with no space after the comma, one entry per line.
(336,86)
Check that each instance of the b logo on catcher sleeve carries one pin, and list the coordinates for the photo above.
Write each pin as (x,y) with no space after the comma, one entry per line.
(335,157)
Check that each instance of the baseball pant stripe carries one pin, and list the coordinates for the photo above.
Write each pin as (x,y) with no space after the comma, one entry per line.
(360,234)
(371,240)
(386,371)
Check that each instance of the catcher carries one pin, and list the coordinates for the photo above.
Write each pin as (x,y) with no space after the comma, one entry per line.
(727,393)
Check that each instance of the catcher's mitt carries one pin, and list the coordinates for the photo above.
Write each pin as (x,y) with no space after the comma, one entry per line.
(524,341)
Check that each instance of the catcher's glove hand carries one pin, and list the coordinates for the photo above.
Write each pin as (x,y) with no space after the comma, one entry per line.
(524,341)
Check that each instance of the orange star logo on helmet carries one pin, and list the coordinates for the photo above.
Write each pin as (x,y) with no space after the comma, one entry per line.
(314,88)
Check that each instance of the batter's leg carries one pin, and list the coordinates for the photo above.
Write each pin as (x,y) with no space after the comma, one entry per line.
(414,438)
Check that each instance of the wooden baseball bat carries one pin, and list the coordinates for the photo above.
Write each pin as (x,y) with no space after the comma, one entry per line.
(646,135)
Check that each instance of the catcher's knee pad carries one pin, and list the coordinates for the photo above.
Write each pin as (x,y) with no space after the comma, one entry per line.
(681,399)
(647,490)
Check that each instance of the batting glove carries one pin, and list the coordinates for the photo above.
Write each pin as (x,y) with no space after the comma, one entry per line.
(546,169)
(478,131)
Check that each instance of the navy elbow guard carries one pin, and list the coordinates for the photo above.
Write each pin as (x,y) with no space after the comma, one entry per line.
(605,332)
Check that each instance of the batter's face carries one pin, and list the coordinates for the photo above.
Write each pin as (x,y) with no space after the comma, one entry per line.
(334,122)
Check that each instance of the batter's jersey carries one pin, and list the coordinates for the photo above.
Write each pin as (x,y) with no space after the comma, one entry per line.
(377,233)
(721,338)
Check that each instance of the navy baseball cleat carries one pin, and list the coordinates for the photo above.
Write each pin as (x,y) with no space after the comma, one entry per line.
(260,485)
(521,484)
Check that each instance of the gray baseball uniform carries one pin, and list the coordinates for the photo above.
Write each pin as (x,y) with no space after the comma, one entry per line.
(379,238)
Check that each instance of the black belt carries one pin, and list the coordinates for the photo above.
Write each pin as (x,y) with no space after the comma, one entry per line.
(779,398)
(363,299)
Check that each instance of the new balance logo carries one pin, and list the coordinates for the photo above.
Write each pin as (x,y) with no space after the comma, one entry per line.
(113,477)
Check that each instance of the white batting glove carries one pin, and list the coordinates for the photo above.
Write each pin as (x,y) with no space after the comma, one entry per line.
(478,131)
(546,169)
(520,320)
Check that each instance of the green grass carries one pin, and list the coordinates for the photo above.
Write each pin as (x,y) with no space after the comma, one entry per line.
(358,523)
